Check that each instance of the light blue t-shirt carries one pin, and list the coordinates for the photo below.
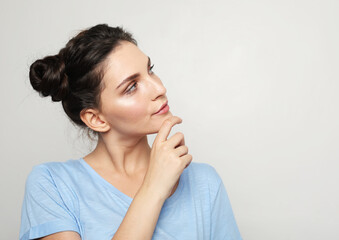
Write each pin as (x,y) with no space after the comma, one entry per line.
(72,196)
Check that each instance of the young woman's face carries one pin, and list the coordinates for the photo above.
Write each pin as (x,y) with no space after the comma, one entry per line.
(129,106)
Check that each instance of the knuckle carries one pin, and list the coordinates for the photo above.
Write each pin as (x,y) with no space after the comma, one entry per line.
(165,147)
(184,148)
(180,134)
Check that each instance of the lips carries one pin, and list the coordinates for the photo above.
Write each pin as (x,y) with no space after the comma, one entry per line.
(162,106)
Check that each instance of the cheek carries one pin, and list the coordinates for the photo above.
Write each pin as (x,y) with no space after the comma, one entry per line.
(136,112)
(133,109)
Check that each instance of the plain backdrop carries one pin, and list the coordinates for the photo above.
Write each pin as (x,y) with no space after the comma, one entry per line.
(255,82)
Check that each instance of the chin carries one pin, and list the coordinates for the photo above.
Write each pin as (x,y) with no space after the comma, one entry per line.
(157,123)
(163,117)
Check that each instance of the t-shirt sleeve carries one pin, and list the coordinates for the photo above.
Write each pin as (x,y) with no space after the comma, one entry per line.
(223,224)
(44,211)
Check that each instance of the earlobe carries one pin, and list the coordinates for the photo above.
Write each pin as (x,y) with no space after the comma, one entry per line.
(94,120)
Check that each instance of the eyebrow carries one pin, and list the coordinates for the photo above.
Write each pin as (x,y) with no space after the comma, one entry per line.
(134,76)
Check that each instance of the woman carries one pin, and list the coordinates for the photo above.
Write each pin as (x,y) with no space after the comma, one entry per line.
(124,189)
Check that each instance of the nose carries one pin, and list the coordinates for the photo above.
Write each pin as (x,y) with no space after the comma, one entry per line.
(156,87)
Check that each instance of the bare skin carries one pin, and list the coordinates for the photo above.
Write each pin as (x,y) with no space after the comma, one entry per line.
(127,184)
(123,156)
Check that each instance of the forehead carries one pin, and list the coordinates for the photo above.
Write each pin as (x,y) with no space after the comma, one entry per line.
(126,59)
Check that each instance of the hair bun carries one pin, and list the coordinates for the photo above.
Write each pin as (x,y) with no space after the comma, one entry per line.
(48,77)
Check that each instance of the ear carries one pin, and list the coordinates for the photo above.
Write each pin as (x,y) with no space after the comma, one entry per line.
(94,120)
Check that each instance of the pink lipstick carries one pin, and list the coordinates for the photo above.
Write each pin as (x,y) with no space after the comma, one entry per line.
(163,109)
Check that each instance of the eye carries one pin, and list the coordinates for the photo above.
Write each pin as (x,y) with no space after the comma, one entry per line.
(150,69)
(129,91)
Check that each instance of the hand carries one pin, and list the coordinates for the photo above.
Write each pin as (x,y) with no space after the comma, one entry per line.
(169,158)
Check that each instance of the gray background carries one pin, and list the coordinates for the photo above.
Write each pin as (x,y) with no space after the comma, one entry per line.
(255,82)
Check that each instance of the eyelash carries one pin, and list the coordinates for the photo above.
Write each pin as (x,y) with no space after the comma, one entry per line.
(135,83)
(151,67)
(129,90)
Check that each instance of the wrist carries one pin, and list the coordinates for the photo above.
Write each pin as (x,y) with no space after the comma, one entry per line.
(151,195)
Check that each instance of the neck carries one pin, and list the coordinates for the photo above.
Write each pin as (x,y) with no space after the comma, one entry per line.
(123,156)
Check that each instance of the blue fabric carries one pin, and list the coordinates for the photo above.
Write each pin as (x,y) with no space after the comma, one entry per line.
(71,196)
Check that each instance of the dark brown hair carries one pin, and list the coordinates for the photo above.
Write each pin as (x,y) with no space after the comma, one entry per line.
(73,76)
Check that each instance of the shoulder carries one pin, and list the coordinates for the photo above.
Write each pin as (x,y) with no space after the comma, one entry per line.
(52,182)
(202,167)
(204,173)
(204,170)
(47,167)
(47,173)
(50,204)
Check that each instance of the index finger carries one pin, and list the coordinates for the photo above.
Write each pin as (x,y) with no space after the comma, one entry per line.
(166,128)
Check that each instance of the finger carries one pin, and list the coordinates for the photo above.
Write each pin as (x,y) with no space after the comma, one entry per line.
(176,140)
(182,150)
(166,128)
(186,159)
